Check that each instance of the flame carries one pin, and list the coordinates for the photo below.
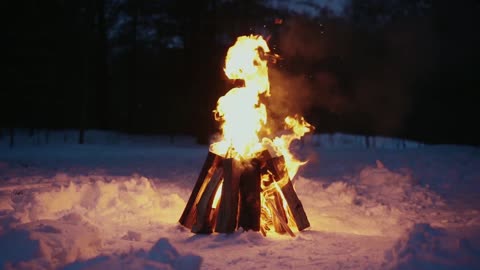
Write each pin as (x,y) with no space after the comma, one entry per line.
(282,144)
(243,117)
(217,196)
(269,207)
(240,112)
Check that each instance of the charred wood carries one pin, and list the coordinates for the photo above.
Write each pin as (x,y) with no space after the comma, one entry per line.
(211,163)
(228,207)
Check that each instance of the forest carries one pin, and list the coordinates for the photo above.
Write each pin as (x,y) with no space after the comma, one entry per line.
(405,69)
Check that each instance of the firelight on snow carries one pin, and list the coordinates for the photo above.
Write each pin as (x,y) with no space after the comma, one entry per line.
(111,205)
(246,179)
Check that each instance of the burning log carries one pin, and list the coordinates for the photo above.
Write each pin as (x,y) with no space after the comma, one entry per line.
(277,166)
(238,186)
(228,208)
(249,215)
(210,165)
(204,208)
(280,221)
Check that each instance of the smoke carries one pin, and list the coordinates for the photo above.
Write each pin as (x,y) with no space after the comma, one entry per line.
(289,95)
(302,81)
(367,78)
(387,71)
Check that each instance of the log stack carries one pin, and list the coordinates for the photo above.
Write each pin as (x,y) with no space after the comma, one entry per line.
(254,194)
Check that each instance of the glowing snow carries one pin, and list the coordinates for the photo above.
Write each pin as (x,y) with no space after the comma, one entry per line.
(105,206)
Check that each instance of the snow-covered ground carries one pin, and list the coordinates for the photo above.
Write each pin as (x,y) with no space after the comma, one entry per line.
(114,203)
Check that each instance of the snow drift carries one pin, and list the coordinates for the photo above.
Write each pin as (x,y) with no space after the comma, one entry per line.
(116,202)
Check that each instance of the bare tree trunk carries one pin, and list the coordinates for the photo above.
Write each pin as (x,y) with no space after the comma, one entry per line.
(132,65)
(86,62)
(200,51)
(102,79)
(12,137)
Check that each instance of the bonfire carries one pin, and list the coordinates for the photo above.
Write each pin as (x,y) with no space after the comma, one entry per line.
(246,180)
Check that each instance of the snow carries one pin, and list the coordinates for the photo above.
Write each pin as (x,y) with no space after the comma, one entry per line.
(311,7)
(115,201)
(427,247)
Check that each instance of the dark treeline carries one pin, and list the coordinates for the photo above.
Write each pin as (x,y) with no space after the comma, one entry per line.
(380,67)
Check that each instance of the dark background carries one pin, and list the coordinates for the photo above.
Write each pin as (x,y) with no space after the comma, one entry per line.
(405,69)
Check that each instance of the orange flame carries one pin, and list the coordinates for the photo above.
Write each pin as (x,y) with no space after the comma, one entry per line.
(243,117)
(241,113)
(299,127)
(217,196)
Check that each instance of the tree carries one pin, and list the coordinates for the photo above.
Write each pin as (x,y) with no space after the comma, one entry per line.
(87,54)
(102,78)
(133,10)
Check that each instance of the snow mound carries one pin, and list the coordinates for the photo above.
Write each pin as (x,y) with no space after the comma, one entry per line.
(161,256)
(115,207)
(394,189)
(377,201)
(426,247)
(63,222)
(48,244)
